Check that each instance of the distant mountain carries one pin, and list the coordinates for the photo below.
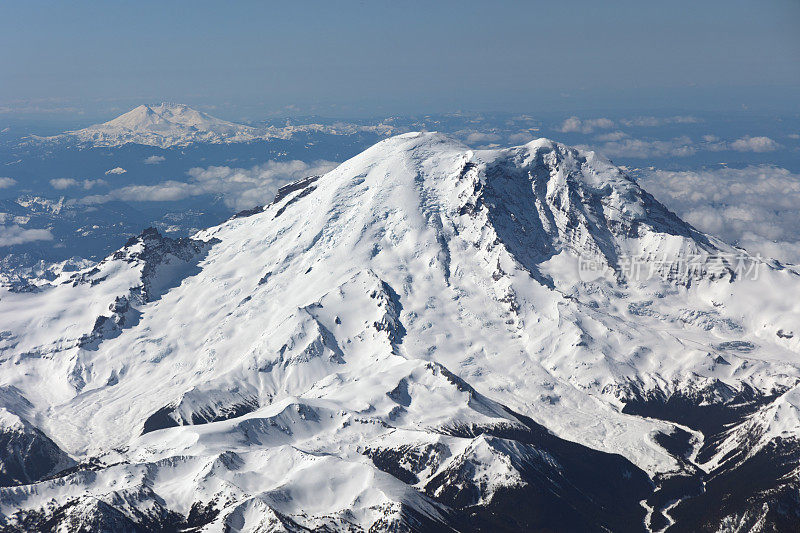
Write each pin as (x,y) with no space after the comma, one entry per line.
(167,125)
(427,338)
(168,117)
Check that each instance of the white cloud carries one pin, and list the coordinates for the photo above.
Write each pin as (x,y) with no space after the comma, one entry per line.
(794,135)
(619,144)
(7,182)
(154,159)
(638,148)
(521,137)
(11,235)
(659,121)
(745,144)
(243,188)
(88,184)
(612,136)
(576,125)
(754,207)
(240,188)
(116,170)
(685,119)
(162,192)
(65,183)
(755,144)
(480,137)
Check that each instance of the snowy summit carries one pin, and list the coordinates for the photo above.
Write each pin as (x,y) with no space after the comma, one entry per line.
(165,125)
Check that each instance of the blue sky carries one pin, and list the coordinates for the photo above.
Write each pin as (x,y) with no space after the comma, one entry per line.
(372,57)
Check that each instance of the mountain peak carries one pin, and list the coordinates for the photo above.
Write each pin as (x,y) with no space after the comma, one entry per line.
(539,199)
(165,124)
(408,336)
(146,117)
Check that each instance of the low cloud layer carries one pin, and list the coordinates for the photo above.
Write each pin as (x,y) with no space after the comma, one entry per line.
(240,188)
(521,137)
(625,137)
(755,144)
(611,136)
(754,207)
(577,125)
(13,235)
(481,137)
(618,145)
(66,183)
(652,122)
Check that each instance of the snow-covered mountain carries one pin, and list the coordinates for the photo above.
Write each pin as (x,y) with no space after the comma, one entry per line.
(169,125)
(427,338)
(164,125)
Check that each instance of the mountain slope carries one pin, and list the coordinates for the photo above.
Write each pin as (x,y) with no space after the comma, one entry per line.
(410,342)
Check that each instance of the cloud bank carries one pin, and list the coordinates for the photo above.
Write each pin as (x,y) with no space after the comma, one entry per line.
(620,144)
(753,207)
(239,188)
(481,137)
(66,183)
(755,144)
(7,182)
(12,235)
(651,122)
(643,149)
(577,125)
(521,137)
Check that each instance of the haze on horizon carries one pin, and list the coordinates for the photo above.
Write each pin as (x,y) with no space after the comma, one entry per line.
(247,60)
